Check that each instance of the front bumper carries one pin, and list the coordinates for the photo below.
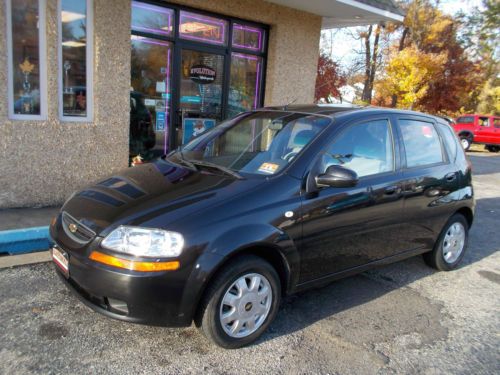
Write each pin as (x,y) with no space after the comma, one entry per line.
(153,298)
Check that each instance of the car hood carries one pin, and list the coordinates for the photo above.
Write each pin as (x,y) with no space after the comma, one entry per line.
(138,195)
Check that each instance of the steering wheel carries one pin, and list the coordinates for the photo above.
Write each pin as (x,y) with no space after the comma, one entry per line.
(289,157)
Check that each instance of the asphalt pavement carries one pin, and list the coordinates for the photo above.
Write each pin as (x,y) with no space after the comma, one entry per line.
(400,319)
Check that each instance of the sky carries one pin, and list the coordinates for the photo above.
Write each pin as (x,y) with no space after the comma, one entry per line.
(345,45)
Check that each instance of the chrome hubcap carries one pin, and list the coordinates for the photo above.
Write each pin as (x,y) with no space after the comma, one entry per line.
(465,142)
(453,243)
(246,305)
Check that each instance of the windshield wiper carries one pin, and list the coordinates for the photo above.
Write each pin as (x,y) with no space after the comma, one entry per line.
(203,163)
(179,159)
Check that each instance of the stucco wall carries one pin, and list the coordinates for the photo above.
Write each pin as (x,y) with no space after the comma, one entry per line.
(42,162)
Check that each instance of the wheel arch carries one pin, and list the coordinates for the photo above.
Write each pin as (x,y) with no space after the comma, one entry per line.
(268,252)
(467,213)
(467,134)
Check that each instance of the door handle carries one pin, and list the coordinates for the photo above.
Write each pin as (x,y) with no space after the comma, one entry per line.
(451,176)
(391,190)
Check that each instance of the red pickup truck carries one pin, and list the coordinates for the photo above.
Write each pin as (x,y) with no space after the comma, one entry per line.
(480,129)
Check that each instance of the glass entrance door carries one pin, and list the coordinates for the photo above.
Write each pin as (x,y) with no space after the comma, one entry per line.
(149,98)
(200,93)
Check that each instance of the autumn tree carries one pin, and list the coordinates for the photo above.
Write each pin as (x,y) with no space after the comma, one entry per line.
(328,79)
(371,52)
(428,36)
(480,36)
(409,75)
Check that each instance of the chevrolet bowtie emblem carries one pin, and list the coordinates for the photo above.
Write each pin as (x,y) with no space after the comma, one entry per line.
(72,228)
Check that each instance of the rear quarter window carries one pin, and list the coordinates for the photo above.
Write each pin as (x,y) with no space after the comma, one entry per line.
(450,140)
(421,142)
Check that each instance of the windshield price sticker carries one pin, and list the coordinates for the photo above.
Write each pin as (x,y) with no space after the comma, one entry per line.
(268,168)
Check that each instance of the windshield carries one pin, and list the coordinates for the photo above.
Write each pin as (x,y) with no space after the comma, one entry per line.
(260,143)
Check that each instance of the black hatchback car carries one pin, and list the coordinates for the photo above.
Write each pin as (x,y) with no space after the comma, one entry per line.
(271,202)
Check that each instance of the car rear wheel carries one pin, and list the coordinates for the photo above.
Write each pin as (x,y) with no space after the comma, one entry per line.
(493,148)
(240,302)
(451,245)
(466,142)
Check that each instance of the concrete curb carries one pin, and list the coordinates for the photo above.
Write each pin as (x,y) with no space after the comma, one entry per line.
(24,259)
(26,240)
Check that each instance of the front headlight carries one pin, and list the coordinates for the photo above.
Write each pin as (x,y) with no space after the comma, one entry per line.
(144,242)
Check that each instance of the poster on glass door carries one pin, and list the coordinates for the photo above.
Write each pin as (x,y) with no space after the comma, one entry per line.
(192,127)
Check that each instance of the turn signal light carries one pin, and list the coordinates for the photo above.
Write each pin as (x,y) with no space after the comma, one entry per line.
(133,265)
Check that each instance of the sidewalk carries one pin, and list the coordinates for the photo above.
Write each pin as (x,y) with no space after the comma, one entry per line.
(25,230)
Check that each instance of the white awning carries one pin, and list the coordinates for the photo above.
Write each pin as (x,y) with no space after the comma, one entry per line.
(345,13)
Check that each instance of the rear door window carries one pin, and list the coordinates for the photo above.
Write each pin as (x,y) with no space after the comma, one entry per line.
(450,140)
(421,142)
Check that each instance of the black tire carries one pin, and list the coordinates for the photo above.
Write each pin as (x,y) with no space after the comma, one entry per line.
(466,142)
(208,316)
(436,257)
(493,148)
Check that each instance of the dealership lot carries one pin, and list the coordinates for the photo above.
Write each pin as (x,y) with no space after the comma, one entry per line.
(403,318)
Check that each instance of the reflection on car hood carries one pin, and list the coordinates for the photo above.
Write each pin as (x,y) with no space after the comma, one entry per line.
(147,191)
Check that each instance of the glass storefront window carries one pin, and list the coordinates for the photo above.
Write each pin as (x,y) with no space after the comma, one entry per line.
(247,37)
(150,97)
(202,77)
(244,89)
(152,19)
(26,58)
(74,50)
(214,72)
(202,28)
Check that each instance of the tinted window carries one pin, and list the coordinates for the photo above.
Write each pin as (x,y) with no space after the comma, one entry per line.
(421,141)
(484,121)
(450,140)
(202,28)
(74,58)
(496,122)
(366,148)
(150,18)
(245,82)
(465,120)
(25,57)
(247,37)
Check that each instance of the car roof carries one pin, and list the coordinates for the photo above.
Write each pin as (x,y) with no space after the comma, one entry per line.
(475,115)
(343,110)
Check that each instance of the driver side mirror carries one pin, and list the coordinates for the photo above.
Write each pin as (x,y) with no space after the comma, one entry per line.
(337,176)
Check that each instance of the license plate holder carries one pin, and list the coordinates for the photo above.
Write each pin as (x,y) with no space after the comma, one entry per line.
(61,259)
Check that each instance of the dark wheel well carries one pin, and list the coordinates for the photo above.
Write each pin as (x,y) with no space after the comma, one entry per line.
(268,253)
(467,213)
(466,134)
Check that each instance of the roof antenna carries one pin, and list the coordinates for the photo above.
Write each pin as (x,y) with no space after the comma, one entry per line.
(285,107)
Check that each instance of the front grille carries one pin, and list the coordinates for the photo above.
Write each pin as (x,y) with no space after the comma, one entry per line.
(82,234)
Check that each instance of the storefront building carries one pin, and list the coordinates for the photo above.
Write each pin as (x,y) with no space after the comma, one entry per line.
(90,86)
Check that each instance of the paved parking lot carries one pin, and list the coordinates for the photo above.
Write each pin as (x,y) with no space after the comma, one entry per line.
(403,318)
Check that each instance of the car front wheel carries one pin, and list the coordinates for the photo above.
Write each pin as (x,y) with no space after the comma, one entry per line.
(240,302)
(493,148)
(451,245)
